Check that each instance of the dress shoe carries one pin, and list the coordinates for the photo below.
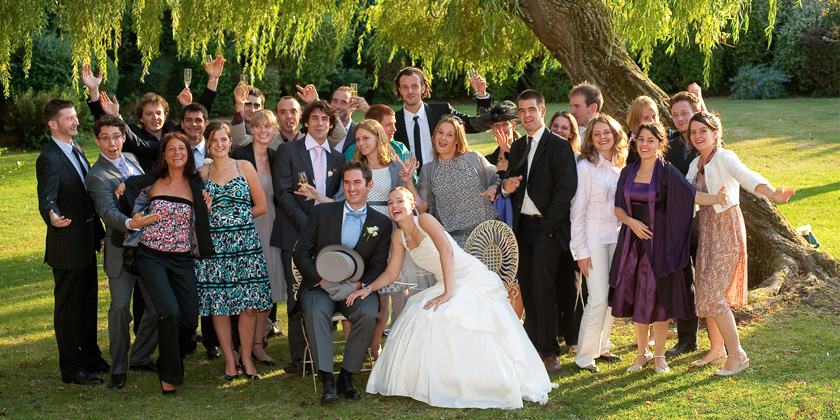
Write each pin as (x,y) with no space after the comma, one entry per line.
(345,386)
(117,381)
(296,367)
(552,364)
(609,358)
(213,353)
(148,367)
(231,377)
(330,393)
(680,348)
(82,378)
(100,366)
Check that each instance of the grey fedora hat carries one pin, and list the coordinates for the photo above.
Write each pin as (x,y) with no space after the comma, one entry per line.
(336,263)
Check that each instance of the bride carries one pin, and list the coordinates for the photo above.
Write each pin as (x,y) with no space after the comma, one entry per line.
(457,343)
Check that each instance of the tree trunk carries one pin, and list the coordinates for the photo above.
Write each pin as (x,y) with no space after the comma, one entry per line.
(581,36)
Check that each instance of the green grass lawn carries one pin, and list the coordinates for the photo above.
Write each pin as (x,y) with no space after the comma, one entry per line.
(793,350)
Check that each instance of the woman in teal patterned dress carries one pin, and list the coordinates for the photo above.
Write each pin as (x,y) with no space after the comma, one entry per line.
(235,280)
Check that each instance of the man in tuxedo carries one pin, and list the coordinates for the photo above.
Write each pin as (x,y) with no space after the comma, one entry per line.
(104,178)
(322,165)
(416,121)
(541,184)
(74,233)
(341,102)
(352,224)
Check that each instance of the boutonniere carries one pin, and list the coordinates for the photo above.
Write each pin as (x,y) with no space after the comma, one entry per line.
(208,161)
(371,231)
(329,174)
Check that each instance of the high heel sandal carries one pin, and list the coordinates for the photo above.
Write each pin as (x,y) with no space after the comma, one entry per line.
(635,368)
(719,361)
(269,362)
(168,392)
(744,363)
(661,369)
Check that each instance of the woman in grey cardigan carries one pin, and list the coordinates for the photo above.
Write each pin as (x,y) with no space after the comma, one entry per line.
(459,185)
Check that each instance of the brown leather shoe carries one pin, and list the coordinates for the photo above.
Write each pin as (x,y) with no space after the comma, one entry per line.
(552,364)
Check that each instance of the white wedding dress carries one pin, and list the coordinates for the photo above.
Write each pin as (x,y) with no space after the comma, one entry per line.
(471,352)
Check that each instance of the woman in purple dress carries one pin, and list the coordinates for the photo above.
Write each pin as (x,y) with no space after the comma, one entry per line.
(655,204)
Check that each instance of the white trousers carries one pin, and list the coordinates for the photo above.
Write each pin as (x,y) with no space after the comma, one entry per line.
(597,321)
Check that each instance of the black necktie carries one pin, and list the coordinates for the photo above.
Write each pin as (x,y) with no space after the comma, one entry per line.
(79,160)
(418,150)
(523,162)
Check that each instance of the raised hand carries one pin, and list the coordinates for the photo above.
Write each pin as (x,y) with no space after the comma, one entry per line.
(503,138)
(307,94)
(240,95)
(91,82)
(695,89)
(185,97)
(214,69)
(407,172)
(478,84)
(110,106)
(358,103)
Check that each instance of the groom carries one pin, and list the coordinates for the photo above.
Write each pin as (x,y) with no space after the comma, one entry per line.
(352,224)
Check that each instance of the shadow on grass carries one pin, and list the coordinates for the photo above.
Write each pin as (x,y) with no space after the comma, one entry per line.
(809,192)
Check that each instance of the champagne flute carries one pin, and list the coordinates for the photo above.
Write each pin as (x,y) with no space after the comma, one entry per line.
(208,60)
(243,78)
(304,182)
(354,91)
(187,77)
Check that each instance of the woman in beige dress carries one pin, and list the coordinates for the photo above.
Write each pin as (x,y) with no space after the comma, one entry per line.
(721,264)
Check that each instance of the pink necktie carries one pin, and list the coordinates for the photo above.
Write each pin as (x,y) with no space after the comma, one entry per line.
(320,170)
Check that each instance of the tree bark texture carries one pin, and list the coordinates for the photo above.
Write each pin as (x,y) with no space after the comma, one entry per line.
(581,35)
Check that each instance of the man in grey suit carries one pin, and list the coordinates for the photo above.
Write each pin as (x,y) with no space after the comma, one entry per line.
(103,180)
(353,224)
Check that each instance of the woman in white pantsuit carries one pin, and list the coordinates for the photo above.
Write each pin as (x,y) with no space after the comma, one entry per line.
(595,233)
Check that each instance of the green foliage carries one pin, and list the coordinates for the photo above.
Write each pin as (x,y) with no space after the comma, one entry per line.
(23,127)
(821,72)
(758,82)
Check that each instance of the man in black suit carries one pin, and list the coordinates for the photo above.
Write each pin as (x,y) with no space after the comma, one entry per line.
(411,86)
(353,224)
(341,102)
(541,183)
(74,233)
(322,166)
(104,178)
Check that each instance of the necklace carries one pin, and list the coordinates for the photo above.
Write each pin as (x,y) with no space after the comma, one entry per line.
(644,175)
(222,169)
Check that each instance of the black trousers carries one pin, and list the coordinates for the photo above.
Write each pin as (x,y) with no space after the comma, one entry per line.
(687,328)
(538,256)
(75,319)
(294,311)
(569,307)
(171,283)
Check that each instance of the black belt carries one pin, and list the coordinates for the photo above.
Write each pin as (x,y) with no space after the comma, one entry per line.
(531,216)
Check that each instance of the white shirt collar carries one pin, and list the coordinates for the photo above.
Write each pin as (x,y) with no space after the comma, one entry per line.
(409,116)
(115,162)
(65,147)
(310,143)
(537,135)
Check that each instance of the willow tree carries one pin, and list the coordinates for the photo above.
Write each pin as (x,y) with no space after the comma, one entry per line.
(591,39)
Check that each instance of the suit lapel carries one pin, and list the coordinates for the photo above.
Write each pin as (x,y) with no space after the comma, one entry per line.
(133,159)
(303,155)
(538,155)
(432,117)
(363,238)
(335,224)
(401,135)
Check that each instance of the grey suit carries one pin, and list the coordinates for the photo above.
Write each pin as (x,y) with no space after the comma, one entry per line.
(321,229)
(102,180)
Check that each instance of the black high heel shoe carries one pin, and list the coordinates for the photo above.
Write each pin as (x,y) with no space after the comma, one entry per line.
(168,393)
(268,362)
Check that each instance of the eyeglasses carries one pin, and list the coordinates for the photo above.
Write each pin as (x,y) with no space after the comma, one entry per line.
(110,139)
